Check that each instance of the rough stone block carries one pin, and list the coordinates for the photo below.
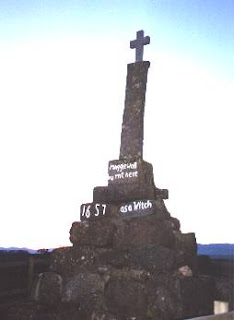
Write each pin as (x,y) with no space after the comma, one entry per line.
(71,260)
(82,285)
(153,258)
(114,257)
(48,289)
(122,193)
(85,291)
(164,299)
(126,298)
(143,231)
(186,250)
(180,297)
(96,233)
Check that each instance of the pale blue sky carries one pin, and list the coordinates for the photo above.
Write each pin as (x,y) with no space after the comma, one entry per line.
(202,29)
(63,69)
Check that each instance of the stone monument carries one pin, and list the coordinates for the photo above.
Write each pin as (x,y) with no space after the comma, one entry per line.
(129,259)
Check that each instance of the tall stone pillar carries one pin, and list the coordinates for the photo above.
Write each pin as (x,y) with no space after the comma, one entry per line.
(130,177)
(133,118)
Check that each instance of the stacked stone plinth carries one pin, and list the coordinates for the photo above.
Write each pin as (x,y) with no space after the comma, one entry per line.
(129,259)
(126,267)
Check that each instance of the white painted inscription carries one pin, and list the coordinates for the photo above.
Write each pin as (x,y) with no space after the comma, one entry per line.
(136,208)
(99,206)
(88,209)
(122,171)
(123,166)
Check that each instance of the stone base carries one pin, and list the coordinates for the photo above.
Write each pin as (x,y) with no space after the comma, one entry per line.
(118,295)
(122,269)
(129,260)
(140,268)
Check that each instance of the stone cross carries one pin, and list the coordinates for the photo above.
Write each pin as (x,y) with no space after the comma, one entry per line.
(132,135)
(138,44)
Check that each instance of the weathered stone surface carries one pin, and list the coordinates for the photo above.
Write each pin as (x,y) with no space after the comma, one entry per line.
(130,192)
(185,271)
(71,260)
(96,233)
(180,297)
(82,285)
(143,231)
(186,250)
(85,290)
(153,258)
(132,126)
(155,229)
(173,224)
(126,298)
(134,191)
(134,262)
(81,259)
(114,257)
(164,302)
(129,274)
(49,288)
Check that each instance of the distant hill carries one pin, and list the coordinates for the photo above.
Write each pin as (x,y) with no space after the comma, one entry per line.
(15,249)
(216,251)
